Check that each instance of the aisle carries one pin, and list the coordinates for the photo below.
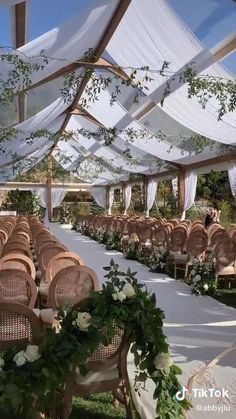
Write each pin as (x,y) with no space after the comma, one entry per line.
(198,328)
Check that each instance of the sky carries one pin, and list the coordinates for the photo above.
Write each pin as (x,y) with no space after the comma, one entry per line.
(210,20)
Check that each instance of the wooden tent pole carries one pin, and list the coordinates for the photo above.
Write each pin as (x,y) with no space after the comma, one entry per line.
(49,188)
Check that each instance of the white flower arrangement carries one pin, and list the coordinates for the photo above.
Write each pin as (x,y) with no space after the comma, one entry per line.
(31,354)
(127,291)
(157,260)
(163,361)
(202,276)
(83,321)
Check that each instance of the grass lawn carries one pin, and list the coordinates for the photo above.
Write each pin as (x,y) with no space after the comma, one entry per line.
(97,406)
(227,297)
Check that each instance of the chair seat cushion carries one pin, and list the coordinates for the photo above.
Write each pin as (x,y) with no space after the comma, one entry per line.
(227,270)
(43,290)
(47,315)
(93,377)
(181,258)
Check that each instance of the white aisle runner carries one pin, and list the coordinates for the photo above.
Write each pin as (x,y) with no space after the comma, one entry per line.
(198,328)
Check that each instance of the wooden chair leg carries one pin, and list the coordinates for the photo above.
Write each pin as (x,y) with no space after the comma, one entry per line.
(175,274)
(128,401)
(67,405)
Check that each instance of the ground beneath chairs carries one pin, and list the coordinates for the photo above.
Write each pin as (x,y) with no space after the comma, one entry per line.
(198,328)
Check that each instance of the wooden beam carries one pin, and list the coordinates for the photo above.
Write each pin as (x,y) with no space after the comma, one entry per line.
(49,189)
(225,48)
(19,39)
(99,64)
(113,24)
(211,162)
(82,112)
(19,30)
(71,186)
(140,178)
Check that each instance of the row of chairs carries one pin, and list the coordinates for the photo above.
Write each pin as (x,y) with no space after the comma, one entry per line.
(183,241)
(21,325)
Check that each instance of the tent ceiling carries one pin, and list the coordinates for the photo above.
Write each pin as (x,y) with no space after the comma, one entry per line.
(110,28)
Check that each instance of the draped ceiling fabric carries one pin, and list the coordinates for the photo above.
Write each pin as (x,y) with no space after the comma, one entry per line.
(111,199)
(127,197)
(190,191)
(146,44)
(99,194)
(232,179)
(151,194)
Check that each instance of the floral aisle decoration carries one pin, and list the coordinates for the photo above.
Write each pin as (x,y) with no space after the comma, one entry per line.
(113,240)
(41,372)
(131,251)
(203,275)
(157,259)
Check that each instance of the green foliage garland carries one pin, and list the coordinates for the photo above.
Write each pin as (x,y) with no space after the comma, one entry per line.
(122,302)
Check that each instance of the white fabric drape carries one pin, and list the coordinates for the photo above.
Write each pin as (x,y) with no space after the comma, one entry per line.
(157,43)
(175,187)
(190,191)
(58,194)
(127,197)
(110,200)
(99,194)
(151,193)
(232,179)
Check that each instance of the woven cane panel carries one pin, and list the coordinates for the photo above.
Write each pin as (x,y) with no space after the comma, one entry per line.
(13,327)
(106,352)
(72,287)
(13,289)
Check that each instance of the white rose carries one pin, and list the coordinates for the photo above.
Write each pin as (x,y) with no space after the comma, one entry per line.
(121,296)
(205,287)
(193,272)
(115,296)
(163,361)
(116,289)
(19,358)
(2,363)
(32,353)
(83,321)
(198,278)
(128,290)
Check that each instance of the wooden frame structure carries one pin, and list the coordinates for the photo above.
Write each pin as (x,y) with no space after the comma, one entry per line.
(19,13)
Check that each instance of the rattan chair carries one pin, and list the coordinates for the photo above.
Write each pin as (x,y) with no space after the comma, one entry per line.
(19,327)
(225,253)
(196,246)
(17,286)
(18,261)
(69,286)
(107,372)
(60,261)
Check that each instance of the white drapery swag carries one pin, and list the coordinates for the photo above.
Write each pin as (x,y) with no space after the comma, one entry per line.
(175,187)
(151,194)
(190,191)
(128,193)
(232,179)
(99,194)
(58,195)
(110,200)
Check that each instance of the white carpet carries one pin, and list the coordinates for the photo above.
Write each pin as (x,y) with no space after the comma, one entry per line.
(198,328)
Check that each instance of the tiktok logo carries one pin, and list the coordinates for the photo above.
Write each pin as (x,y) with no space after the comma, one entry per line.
(180,395)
